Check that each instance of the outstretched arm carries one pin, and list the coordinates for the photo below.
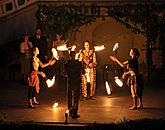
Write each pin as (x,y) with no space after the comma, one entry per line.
(51,62)
(122,64)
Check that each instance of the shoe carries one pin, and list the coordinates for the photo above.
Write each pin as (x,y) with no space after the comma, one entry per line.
(92,98)
(140,107)
(36,103)
(75,116)
(133,108)
(31,106)
(84,98)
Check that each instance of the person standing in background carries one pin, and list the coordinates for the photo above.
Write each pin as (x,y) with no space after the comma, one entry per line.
(26,51)
(41,43)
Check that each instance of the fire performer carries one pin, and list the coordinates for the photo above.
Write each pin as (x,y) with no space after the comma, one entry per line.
(88,58)
(73,70)
(33,79)
(135,79)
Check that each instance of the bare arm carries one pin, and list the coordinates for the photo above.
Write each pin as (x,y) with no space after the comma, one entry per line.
(122,64)
(51,62)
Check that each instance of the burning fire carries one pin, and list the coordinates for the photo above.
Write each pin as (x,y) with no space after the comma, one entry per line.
(50,82)
(99,48)
(62,48)
(118,81)
(55,54)
(116,46)
(107,88)
(55,105)
(73,48)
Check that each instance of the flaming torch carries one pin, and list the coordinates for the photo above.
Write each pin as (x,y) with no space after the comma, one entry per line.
(116,46)
(55,105)
(55,54)
(50,82)
(99,48)
(107,88)
(62,47)
(119,81)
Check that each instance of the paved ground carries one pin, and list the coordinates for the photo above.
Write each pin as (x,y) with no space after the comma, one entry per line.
(104,109)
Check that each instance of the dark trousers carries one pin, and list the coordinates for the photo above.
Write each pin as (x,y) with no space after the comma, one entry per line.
(31,92)
(73,96)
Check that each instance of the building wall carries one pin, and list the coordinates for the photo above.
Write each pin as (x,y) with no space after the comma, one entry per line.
(108,32)
(13,26)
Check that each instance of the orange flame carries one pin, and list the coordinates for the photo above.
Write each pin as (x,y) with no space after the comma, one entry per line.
(116,46)
(55,105)
(118,81)
(99,48)
(107,88)
(50,82)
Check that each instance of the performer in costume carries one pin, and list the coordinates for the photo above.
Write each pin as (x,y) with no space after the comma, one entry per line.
(88,58)
(135,79)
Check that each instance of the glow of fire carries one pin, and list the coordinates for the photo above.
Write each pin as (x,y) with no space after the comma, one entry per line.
(55,105)
(77,55)
(50,82)
(55,54)
(107,88)
(87,75)
(67,112)
(62,48)
(73,48)
(118,81)
(99,48)
(116,46)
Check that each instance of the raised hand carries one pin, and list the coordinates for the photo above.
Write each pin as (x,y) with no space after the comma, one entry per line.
(52,61)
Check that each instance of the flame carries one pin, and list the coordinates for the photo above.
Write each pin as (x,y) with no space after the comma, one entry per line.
(62,48)
(67,112)
(118,81)
(50,82)
(107,88)
(77,55)
(73,48)
(116,46)
(55,105)
(99,48)
(55,54)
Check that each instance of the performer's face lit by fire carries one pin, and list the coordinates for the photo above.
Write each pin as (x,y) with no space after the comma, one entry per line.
(86,45)
(131,53)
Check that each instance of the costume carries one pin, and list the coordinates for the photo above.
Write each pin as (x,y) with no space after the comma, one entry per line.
(135,82)
(89,75)
(33,82)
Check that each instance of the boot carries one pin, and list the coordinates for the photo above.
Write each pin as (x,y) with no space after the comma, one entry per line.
(134,107)
(30,104)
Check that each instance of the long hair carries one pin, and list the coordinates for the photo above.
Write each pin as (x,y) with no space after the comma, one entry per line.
(136,51)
